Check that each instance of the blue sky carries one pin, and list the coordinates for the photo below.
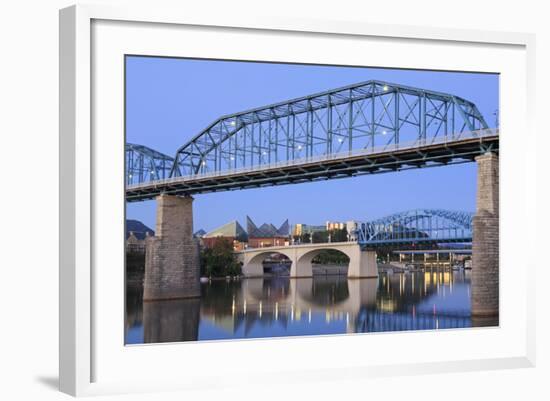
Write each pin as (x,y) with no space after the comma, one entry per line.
(169,100)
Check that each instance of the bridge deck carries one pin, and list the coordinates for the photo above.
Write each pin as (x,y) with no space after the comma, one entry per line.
(376,161)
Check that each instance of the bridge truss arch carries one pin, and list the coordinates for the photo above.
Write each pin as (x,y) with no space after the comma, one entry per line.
(417,226)
(365,116)
(145,164)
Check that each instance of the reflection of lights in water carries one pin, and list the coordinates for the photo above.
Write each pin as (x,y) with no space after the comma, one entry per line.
(412,284)
(414,311)
(436,324)
(298,314)
(233,307)
(244,307)
(327,316)
(260,309)
(309,316)
(292,312)
(434,310)
(347,318)
(276,310)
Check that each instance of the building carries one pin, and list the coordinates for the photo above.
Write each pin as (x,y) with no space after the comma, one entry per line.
(232,231)
(334,225)
(267,234)
(301,229)
(199,233)
(353,228)
(138,229)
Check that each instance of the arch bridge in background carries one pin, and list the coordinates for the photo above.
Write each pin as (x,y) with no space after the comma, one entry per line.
(417,226)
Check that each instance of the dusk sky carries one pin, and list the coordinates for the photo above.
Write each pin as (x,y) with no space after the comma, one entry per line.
(170,100)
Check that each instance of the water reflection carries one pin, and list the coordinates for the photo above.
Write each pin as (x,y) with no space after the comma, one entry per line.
(279,306)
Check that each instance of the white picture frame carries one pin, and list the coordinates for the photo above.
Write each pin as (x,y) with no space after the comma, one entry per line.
(91,37)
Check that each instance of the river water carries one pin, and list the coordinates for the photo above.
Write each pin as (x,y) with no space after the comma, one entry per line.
(273,307)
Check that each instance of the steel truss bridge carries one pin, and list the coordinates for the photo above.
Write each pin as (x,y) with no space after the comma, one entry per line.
(366,128)
(417,227)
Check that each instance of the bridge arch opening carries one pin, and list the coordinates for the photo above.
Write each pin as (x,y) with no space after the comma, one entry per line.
(269,263)
(325,261)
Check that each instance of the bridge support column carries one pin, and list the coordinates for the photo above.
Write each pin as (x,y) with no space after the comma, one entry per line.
(362,264)
(172,257)
(485,245)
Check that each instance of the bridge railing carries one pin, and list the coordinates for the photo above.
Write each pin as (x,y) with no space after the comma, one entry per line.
(478,134)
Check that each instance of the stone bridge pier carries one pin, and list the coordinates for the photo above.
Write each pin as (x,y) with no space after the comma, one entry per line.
(485,244)
(172,257)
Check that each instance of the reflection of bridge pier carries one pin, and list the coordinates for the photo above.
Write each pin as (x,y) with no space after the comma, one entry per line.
(171,320)
(485,294)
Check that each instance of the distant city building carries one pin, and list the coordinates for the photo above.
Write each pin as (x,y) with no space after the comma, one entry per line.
(139,229)
(267,234)
(301,229)
(232,231)
(134,244)
(199,234)
(352,228)
(334,225)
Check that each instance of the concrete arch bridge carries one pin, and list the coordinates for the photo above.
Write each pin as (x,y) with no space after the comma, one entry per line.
(361,263)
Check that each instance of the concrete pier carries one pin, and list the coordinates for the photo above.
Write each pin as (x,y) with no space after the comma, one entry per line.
(172,257)
(485,245)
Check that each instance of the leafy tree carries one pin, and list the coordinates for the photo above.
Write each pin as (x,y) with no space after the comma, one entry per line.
(331,257)
(320,237)
(219,260)
(339,235)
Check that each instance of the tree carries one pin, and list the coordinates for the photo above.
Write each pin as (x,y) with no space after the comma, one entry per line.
(305,238)
(320,237)
(339,235)
(219,260)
